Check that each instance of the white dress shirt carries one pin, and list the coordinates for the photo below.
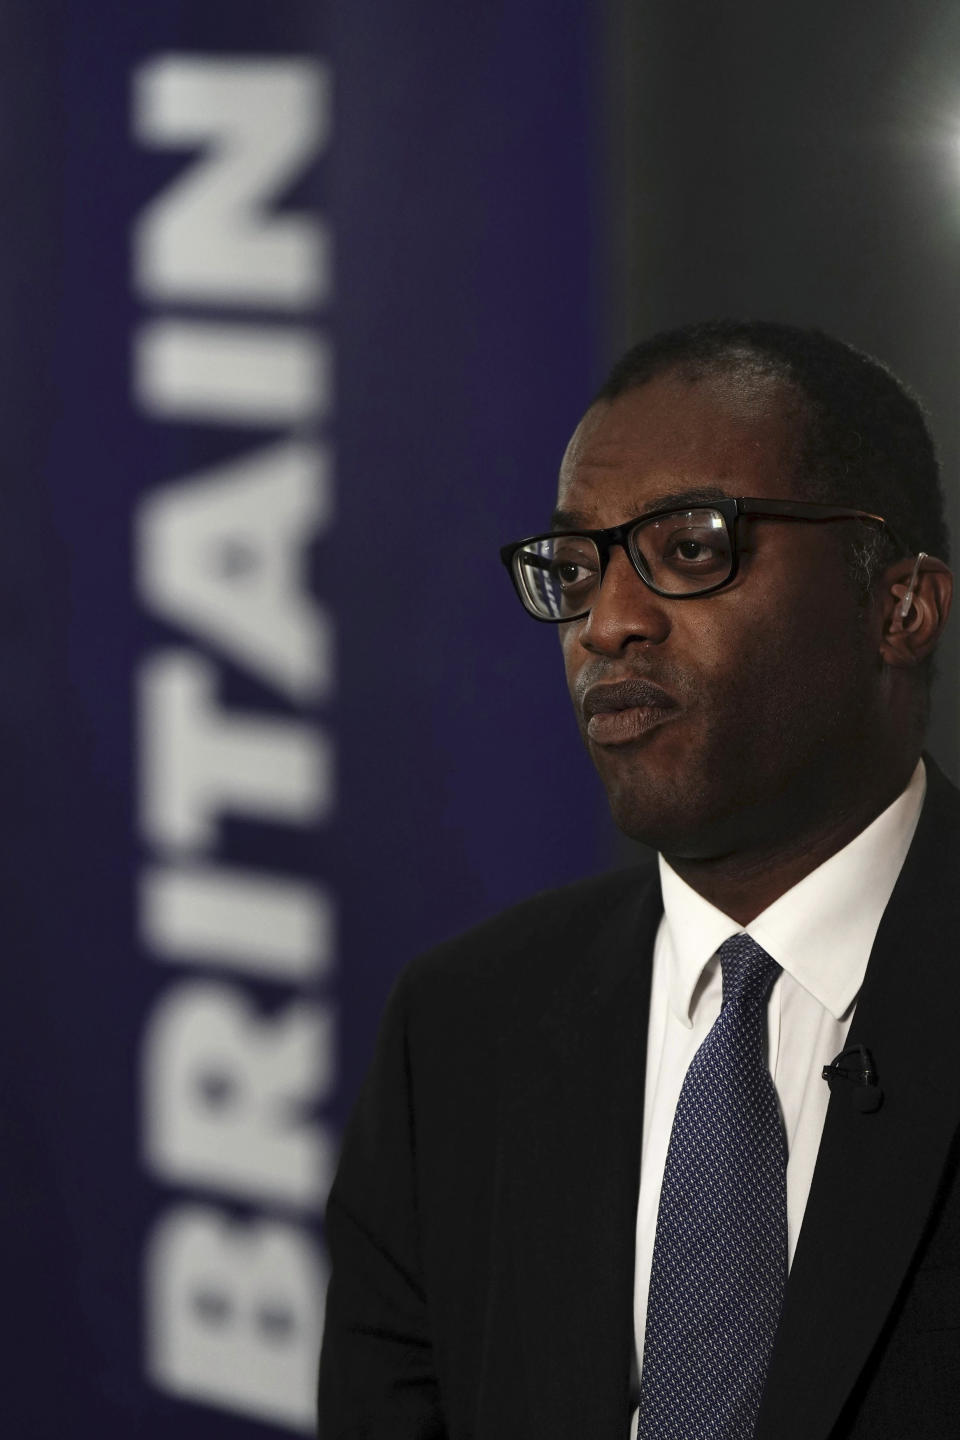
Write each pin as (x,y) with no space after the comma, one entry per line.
(821,933)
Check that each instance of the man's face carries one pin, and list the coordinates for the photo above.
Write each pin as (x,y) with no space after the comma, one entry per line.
(768,693)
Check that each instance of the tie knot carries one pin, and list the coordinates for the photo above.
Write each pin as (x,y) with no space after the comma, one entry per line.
(748,971)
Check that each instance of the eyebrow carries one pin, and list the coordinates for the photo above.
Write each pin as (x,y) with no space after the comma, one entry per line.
(702,495)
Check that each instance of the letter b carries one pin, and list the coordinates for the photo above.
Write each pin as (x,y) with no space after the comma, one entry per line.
(234,1315)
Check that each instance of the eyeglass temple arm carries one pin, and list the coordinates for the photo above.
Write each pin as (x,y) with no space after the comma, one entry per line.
(809,511)
(815,512)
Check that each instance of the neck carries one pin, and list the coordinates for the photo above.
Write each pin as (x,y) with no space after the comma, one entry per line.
(748,878)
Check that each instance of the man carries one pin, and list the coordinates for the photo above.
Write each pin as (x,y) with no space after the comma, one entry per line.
(581,1197)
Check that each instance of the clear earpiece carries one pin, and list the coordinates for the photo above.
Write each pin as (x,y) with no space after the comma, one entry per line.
(907,600)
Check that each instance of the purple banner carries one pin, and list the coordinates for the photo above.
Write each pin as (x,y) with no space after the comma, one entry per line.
(299,316)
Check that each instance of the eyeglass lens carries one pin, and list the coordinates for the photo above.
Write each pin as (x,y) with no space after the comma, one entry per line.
(682,553)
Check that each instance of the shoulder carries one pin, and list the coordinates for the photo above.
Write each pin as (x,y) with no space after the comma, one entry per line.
(537,942)
(928,880)
(942,805)
(474,1015)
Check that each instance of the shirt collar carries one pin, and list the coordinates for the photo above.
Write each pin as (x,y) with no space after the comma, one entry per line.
(820,931)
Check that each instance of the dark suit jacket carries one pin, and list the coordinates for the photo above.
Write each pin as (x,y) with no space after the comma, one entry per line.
(482,1222)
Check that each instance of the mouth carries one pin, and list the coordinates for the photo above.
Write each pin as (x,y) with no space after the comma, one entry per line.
(619,713)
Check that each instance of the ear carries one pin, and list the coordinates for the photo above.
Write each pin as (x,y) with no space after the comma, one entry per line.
(908,639)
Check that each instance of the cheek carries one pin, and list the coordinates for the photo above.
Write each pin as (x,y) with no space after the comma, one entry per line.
(572,652)
(746,666)
(792,689)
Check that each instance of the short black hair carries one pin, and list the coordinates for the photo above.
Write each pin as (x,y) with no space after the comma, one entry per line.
(864,440)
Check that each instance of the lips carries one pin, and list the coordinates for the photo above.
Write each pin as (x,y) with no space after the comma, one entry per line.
(620,712)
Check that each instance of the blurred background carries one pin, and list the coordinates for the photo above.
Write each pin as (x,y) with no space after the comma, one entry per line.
(300,304)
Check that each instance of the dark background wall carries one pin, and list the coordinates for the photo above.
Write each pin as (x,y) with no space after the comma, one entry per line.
(797,162)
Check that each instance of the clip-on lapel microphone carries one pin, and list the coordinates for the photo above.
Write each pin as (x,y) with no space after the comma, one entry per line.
(854,1070)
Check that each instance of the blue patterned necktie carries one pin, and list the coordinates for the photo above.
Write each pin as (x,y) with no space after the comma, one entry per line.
(720,1253)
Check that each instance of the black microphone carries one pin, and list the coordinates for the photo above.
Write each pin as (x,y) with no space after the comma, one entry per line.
(854,1070)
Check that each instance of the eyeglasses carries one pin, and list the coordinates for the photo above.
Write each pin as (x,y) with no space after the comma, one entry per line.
(679,553)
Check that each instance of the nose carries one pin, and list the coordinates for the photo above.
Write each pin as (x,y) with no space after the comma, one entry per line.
(626,611)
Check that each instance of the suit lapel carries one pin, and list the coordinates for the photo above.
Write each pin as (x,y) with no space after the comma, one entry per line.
(573,1133)
(876,1174)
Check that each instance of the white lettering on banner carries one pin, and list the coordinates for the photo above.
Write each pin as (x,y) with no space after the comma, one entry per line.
(198,760)
(221,555)
(233,1085)
(209,237)
(239,374)
(233,1314)
(227,1095)
(274,928)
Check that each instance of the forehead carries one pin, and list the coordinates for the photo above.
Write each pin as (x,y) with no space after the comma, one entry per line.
(675,436)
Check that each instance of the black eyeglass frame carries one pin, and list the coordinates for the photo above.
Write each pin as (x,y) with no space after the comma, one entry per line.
(731,508)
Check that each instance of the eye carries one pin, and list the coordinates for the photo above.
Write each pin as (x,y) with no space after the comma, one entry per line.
(684,552)
(699,549)
(569,572)
(573,568)
(694,550)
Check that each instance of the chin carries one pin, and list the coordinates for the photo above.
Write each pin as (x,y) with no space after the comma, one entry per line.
(692,824)
(661,827)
